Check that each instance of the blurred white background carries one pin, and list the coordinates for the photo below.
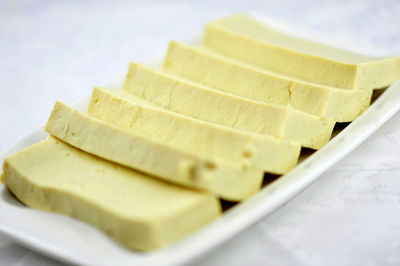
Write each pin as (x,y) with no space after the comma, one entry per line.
(58,50)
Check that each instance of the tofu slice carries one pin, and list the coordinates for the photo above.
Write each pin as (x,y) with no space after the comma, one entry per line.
(250,41)
(230,182)
(136,210)
(226,109)
(193,135)
(229,75)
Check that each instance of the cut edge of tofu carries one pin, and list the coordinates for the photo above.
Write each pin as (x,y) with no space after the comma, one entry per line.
(364,73)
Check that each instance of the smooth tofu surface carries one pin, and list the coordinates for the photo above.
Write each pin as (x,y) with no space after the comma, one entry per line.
(204,103)
(222,108)
(245,25)
(230,182)
(246,39)
(225,74)
(136,210)
(123,109)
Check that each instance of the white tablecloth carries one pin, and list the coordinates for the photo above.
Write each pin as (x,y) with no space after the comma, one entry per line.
(59,50)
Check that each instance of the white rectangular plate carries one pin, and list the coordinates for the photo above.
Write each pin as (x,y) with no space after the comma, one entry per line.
(73,241)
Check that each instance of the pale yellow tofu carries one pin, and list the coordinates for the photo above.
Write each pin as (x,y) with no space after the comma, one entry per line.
(226,109)
(192,135)
(229,181)
(250,41)
(226,74)
(136,210)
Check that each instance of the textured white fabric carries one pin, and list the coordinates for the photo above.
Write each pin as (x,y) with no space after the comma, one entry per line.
(53,50)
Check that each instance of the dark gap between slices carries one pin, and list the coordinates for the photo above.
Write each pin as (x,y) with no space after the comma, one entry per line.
(268,179)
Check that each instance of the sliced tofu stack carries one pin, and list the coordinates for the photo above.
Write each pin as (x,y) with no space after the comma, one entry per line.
(139,116)
(234,181)
(225,74)
(205,127)
(250,41)
(134,209)
(226,109)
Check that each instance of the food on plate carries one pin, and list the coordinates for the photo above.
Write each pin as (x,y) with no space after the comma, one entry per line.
(149,163)
(136,210)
